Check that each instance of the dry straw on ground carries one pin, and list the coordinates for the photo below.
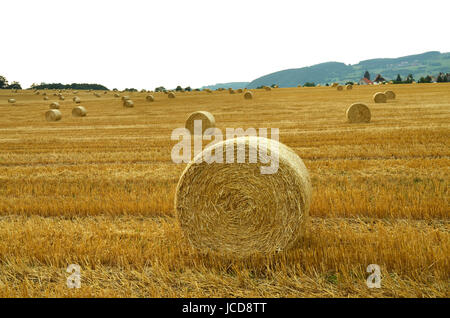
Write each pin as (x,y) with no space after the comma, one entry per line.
(208,121)
(54,105)
(234,209)
(53,115)
(358,113)
(389,94)
(248,95)
(171,95)
(128,103)
(379,97)
(79,111)
(150,98)
(11,100)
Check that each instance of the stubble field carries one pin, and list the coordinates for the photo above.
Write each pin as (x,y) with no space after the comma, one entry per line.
(98,191)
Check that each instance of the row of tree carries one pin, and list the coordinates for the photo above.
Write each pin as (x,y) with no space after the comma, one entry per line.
(4,84)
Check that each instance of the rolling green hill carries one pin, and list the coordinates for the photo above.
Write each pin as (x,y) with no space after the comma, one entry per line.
(429,63)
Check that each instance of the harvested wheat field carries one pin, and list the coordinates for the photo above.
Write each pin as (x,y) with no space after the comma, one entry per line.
(99,192)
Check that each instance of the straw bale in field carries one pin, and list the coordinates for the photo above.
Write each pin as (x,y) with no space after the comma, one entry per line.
(53,115)
(233,209)
(358,113)
(207,119)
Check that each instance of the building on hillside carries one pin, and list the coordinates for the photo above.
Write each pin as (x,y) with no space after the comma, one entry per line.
(365,81)
(379,79)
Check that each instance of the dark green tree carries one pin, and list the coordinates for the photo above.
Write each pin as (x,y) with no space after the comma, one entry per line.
(3,82)
(367,75)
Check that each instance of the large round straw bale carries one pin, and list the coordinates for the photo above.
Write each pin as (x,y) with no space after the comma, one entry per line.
(76,99)
(358,113)
(232,208)
(116,95)
(11,100)
(45,98)
(339,87)
(54,105)
(150,98)
(128,103)
(79,111)
(379,97)
(239,91)
(171,95)
(97,95)
(124,98)
(348,86)
(389,94)
(208,121)
(61,97)
(53,115)
(231,91)
(248,95)
(267,88)
(334,85)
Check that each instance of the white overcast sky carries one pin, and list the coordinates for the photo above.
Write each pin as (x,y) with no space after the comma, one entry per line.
(144,44)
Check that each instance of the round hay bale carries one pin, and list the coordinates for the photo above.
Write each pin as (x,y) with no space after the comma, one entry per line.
(334,85)
(171,95)
(390,94)
(358,113)
(53,115)
(97,95)
(379,97)
(45,97)
(239,91)
(231,91)
(208,121)
(267,88)
(11,100)
(299,85)
(150,98)
(349,87)
(61,97)
(116,95)
(79,111)
(54,105)
(339,87)
(128,103)
(234,209)
(124,98)
(248,95)
(76,99)
(37,93)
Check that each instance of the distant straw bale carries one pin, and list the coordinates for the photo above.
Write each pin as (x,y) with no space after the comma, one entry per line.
(79,111)
(54,105)
(379,98)
(53,115)
(390,94)
(208,121)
